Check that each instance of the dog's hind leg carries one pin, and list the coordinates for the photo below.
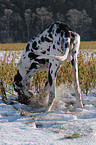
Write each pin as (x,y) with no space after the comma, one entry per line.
(75,72)
(27,81)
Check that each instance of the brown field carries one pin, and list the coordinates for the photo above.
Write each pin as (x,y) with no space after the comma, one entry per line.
(20,46)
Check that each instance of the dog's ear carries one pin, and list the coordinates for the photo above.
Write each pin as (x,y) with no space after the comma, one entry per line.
(18,77)
(17,81)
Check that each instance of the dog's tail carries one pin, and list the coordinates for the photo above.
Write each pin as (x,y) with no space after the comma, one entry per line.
(59,58)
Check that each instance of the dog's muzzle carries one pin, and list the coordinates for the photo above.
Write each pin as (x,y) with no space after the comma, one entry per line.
(17,87)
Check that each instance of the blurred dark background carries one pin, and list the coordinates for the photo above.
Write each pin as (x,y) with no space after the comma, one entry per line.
(20,20)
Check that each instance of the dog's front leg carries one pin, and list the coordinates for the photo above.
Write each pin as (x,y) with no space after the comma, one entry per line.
(52,94)
(52,73)
(52,91)
(27,82)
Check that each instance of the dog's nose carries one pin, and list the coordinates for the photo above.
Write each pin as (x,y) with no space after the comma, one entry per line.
(16,88)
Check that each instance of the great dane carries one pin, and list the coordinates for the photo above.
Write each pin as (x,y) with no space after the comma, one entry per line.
(47,51)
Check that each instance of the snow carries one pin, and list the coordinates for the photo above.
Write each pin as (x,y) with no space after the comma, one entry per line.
(20,126)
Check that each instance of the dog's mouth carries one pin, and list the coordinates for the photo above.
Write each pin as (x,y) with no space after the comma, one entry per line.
(17,84)
(23,99)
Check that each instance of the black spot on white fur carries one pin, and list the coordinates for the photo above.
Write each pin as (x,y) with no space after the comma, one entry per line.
(32,55)
(50,78)
(33,66)
(44,52)
(27,47)
(41,61)
(34,45)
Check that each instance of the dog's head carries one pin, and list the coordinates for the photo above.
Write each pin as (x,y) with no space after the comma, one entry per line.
(22,98)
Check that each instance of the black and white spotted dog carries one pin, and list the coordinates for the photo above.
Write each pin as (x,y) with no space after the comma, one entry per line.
(47,51)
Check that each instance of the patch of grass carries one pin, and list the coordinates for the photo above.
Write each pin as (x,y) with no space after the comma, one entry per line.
(87,73)
(86,70)
(55,130)
(7,70)
(74,135)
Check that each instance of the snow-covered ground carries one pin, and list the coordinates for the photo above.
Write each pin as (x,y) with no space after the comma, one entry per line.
(64,125)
